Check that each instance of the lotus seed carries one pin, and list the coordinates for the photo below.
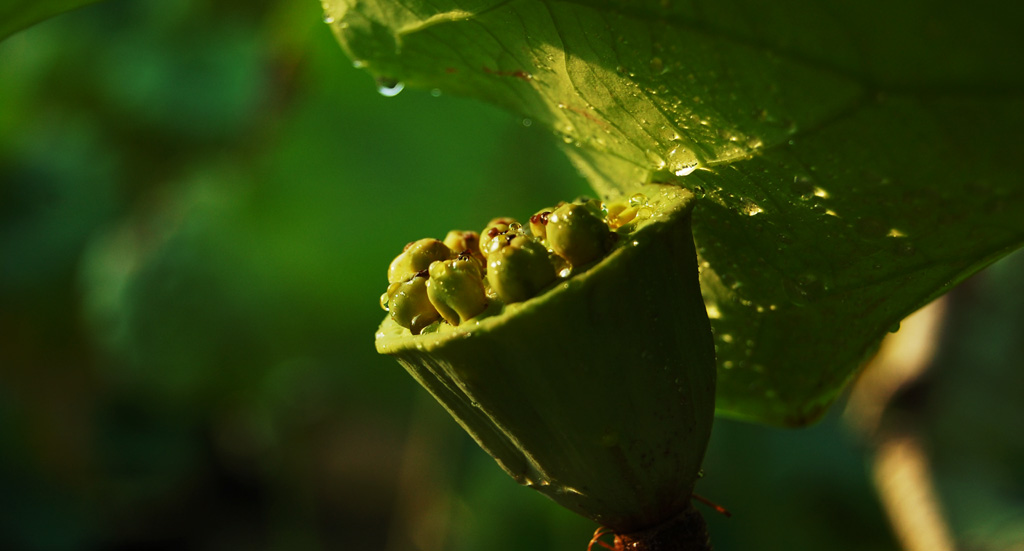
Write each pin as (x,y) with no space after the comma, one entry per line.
(520,270)
(456,289)
(578,234)
(416,258)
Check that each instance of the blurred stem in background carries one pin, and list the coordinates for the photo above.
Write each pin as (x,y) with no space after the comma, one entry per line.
(902,473)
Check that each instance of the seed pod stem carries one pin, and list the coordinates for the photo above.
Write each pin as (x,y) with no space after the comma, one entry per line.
(686,532)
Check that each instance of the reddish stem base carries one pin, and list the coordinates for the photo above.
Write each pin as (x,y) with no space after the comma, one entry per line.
(686,532)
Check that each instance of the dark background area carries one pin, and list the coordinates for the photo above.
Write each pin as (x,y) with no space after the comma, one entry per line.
(198,203)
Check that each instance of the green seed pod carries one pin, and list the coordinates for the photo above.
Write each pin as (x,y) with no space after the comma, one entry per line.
(520,270)
(417,257)
(456,289)
(577,234)
(409,304)
(599,392)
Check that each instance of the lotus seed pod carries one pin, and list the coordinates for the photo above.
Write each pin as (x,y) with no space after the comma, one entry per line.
(579,393)
(456,289)
(520,270)
(577,234)
(416,258)
(409,304)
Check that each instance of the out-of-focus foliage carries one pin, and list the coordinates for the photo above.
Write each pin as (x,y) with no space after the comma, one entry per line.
(198,202)
(18,14)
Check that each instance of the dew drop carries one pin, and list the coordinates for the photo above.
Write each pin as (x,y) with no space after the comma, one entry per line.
(436,92)
(389,87)
(751,209)
(802,187)
(358,63)
(527,122)
(686,171)
(681,161)
(328,19)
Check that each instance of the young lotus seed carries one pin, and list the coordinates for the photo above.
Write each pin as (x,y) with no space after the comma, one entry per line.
(620,214)
(520,270)
(578,234)
(468,242)
(416,258)
(539,224)
(409,304)
(456,289)
(498,227)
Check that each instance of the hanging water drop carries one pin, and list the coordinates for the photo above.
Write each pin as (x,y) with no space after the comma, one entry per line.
(389,87)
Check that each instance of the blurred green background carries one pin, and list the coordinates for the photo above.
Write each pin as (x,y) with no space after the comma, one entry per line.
(198,202)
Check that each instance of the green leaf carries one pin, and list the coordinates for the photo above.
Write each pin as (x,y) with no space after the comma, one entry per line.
(854,161)
(16,15)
